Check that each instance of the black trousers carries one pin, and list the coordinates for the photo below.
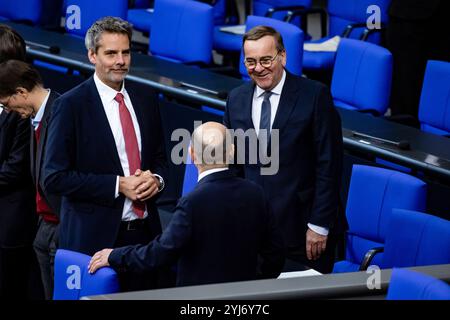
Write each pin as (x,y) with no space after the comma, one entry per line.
(140,233)
(45,245)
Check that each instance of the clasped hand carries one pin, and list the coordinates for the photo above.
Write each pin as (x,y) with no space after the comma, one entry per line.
(141,186)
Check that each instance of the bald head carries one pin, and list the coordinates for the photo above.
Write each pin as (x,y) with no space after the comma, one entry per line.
(211,146)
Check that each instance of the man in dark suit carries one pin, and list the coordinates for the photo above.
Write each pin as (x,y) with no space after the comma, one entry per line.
(216,231)
(17,212)
(105,154)
(21,86)
(304,193)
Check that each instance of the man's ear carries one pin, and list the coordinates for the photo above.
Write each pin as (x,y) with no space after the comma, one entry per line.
(191,153)
(21,91)
(92,56)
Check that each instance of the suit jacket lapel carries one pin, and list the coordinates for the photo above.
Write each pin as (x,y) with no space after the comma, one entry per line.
(43,138)
(287,102)
(102,126)
(247,97)
(3,117)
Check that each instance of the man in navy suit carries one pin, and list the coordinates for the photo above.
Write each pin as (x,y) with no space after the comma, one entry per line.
(304,193)
(105,154)
(217,230)
(21,85)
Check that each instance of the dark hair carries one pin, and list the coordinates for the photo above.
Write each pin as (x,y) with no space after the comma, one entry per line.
(106,25)
(12,45)
(258,32)
(15,74)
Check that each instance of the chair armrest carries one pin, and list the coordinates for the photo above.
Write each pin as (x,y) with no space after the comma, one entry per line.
(271,11)
(349,29)
(368,258)
(303,13)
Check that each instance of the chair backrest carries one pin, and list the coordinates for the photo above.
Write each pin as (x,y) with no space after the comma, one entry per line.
(362,76)
(190,176)
(344,12)
(372,194)
(411,285)
(90,11)
(434,107)
(24,10)
(292,39)
(182,31)
(416,239)
(73,281)
(260,7)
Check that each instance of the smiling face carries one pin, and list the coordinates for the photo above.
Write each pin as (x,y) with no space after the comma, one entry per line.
(265,47)
(112,59)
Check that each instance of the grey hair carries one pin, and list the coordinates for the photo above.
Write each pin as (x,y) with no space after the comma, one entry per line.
(106,24)
(212,148)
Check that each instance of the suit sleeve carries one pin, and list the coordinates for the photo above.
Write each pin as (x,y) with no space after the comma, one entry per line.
(60,175)
(328,153)
(272,249)
(16,166)
(159,159)
(165,249)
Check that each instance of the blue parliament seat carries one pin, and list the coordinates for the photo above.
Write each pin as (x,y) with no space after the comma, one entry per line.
(362,77)
(182,31)
(73,281)
(411,285)
(434,106)
(372,195)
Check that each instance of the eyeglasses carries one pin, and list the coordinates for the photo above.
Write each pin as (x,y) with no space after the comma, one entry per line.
(265,62)
(4,105)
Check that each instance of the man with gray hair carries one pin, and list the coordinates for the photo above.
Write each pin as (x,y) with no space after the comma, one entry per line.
(217,230)
(105,154)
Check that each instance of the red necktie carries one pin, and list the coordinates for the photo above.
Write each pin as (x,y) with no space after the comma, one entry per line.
(131,147)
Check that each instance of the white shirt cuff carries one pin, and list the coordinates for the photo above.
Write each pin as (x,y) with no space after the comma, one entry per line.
(117,187)
(320,230)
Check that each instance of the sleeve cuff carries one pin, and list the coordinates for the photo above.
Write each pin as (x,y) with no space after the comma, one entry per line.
(320,230)
(116,195)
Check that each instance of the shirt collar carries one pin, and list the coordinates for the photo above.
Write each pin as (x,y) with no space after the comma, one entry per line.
(278,88)
(38,117)
(210,171)
(106,91)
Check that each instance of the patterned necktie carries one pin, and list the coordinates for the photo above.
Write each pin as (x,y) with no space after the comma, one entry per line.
(131,147)
(264,122)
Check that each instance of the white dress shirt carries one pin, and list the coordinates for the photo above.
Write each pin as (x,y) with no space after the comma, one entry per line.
(210,171)
(38,117)
(258,97)
(111,106)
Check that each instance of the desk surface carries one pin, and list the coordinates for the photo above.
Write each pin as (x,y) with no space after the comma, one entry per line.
(429,153)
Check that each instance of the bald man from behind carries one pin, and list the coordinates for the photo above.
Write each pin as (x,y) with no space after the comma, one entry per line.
(217,231)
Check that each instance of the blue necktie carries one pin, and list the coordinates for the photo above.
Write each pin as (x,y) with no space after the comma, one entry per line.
(264,122)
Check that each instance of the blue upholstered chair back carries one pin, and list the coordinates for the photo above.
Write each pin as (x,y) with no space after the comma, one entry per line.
(26,10)
(341,13)
(292,39)
(190,176)
(182,31)
(434,107)
(372,194)
(362,76)
(91,11)
(73,281)
(416,239)
(344,12)
(411,285)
